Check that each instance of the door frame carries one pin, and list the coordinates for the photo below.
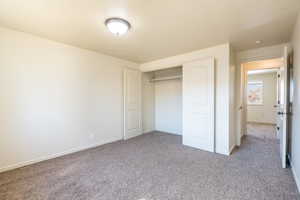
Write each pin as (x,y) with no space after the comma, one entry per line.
(245,67)
(264,53)
(285,107)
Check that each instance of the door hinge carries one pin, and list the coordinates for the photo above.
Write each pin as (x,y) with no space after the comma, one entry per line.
(280,113)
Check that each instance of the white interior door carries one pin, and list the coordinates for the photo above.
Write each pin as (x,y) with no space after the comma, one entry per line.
(283,109)
(132,103)
(199,104)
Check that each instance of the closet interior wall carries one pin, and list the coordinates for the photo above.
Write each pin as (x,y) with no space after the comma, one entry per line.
(162,101)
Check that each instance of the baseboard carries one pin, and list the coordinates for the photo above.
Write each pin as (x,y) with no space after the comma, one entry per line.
(171,133)
(231,149)
(148,131)
(228,153)
(44,158)
(133,136)
(297,179)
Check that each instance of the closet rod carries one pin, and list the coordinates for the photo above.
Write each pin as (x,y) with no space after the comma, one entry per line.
(166,78)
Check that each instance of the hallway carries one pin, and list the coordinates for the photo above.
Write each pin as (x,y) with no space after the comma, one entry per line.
(262,131)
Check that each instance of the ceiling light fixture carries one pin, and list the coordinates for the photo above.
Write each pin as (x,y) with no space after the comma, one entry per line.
(117,26)
(258,41)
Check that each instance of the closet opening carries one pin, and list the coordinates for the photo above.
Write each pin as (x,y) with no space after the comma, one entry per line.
(162,101)
(181,101)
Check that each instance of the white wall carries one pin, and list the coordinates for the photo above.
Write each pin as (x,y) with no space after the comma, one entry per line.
(265,113)
(55,98)
(168,102)
(221,55)
(148,102)
(295,146)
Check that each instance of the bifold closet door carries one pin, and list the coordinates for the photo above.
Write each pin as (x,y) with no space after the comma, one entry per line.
(198,104)
(132,103)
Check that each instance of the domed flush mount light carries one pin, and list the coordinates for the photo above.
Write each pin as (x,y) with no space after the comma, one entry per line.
(117,26)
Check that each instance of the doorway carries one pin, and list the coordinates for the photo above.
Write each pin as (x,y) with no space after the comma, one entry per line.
(258,102)
(262,102)
(282,97)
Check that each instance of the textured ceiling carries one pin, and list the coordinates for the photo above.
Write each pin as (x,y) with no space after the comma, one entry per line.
(160,28)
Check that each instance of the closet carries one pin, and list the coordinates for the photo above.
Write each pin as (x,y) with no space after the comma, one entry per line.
(177,100)
(167,96)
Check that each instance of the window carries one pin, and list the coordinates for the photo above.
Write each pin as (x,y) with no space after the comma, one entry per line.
(255,93)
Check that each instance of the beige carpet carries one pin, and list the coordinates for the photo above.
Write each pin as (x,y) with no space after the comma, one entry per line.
(156,167)
(262,131)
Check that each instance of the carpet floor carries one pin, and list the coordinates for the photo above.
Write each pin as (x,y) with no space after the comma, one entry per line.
(156,166)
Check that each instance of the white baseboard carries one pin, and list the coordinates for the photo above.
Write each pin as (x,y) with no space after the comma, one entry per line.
(169,132)
(231,149)
(148,131)
(297,179)
(228,153)
(133,136)
(73,150)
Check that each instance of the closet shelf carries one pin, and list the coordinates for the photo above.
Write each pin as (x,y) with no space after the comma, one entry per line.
(166,78)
